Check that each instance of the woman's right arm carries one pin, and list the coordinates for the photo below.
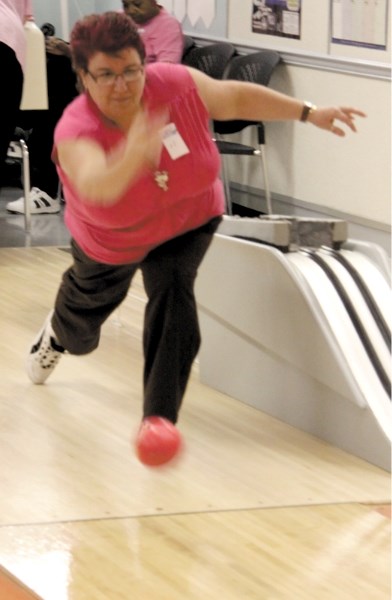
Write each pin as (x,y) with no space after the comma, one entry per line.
(101,178)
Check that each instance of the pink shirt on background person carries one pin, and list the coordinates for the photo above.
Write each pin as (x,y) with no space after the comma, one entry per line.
(13,14)
(162,37)
(146,215)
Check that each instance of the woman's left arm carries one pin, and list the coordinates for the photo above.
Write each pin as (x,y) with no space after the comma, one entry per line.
(226,100)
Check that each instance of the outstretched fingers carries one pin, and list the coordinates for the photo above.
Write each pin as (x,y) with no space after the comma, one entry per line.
(328,118)
(347,116)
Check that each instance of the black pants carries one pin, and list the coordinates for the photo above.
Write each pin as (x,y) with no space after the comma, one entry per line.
(91,291)
(10,100)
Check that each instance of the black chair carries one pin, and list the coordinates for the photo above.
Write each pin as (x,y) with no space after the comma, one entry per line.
(256,68)
(189,43)
(211,59)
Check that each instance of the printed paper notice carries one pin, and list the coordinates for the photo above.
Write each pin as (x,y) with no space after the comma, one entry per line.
(277,17)
(360,23)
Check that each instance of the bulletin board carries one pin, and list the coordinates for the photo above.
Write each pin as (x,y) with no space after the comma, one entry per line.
(352,29)
(361,29)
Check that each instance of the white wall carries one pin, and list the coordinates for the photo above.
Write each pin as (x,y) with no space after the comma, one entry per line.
(352,175)
(63,13)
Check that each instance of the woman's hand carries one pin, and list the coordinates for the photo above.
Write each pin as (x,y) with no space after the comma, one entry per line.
(326,117)
(102,178)
(144,138)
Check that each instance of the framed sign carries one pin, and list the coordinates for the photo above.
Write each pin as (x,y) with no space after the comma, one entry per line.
(277,17)
(360,23)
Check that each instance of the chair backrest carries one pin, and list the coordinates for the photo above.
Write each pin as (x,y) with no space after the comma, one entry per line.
(255,68)
(212,59)
(189,43)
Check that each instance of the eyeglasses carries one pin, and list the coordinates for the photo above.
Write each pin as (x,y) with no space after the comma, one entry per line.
(108,79)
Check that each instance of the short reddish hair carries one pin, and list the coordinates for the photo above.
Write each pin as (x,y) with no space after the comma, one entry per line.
(109,32)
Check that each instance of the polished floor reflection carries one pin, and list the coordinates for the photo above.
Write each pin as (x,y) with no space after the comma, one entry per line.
(46,230)
(254,509)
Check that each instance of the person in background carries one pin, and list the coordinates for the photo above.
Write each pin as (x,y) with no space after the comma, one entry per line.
(161,32)
(140,175)
(164,42)
(62,88)
(13,15)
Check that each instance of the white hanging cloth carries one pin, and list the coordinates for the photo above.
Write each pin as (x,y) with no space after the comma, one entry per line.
(194,11)
(207,8)
(35,85)
(168,4)
(179,9)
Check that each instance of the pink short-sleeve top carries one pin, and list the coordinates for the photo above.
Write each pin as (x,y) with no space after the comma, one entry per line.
(146,215)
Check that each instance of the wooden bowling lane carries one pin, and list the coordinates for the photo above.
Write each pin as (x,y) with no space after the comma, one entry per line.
(253,509)
(325,551)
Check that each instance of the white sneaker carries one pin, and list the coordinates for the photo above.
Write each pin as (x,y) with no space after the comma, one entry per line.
(40,203)
(44,354)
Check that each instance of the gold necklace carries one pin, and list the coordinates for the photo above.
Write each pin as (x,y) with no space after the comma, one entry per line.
(161,178)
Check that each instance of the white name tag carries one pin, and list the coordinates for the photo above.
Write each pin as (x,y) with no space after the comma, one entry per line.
(173,142)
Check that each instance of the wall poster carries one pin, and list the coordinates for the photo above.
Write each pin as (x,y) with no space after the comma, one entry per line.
(277,17)
(360,23)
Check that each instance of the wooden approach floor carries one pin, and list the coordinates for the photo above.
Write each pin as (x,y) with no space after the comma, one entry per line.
(253,509)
